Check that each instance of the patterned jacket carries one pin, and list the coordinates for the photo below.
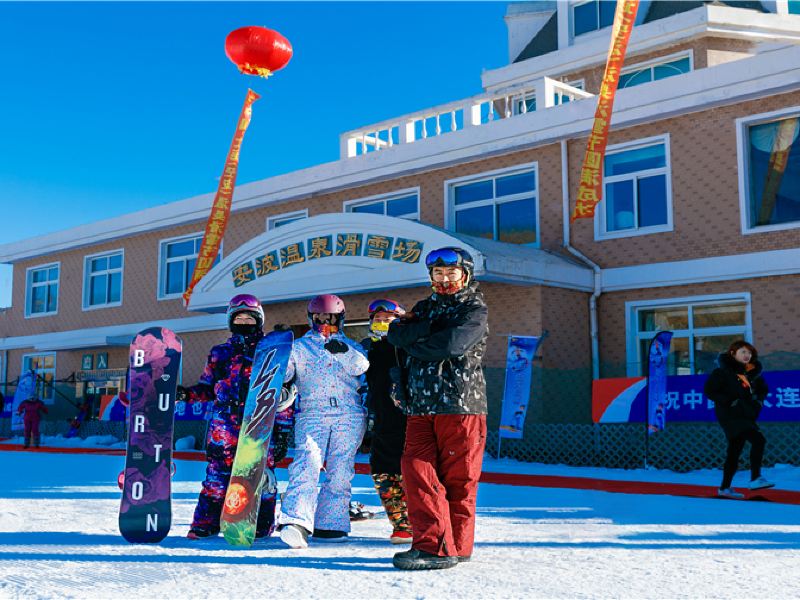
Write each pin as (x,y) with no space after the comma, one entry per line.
(327,383)
(445,344)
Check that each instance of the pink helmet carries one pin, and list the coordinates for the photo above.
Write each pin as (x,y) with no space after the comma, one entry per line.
(326,303)
(245,303)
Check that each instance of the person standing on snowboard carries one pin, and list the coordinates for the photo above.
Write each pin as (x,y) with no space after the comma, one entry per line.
(329,426)
(32,410)
(445,339)
(389,423)
(226,381)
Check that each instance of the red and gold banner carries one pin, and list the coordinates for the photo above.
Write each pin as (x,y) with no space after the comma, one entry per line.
(221,208)
(591,184)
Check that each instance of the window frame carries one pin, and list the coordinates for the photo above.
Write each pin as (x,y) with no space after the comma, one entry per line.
(87,259)
(29,288)
(656,62)
(50,400)
(632,335)
(572,6)
(295,215)
(601,232)
(450,205)
(743,161)
(347,205)
(162,261)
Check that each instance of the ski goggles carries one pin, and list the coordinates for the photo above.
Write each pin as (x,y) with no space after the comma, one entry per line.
(444,257)
(244,301)
(383,305)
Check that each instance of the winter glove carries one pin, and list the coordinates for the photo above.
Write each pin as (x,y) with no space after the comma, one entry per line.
(281,327)
(370,421)
(288,394)
(280,444)
(398,390)
(336,347)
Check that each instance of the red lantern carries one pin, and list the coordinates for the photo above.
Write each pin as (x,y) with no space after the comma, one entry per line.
(258,50)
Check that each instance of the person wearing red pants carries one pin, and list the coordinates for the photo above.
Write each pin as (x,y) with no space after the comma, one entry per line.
(444,337)
(32,410)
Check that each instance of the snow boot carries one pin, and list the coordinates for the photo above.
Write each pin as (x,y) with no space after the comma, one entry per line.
(358,512)
(197,534)
(760,483)
(294,536)
(329,536)
(418,560)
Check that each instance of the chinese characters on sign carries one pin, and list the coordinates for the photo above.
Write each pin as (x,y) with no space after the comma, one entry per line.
(370,245)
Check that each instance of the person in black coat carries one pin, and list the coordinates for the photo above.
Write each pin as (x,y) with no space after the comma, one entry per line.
(388,423)
(738,391)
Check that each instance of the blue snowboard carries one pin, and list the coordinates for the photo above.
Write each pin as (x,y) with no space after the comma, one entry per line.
(243,498)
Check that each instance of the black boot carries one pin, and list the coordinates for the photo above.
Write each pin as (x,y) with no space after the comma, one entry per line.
(418,560)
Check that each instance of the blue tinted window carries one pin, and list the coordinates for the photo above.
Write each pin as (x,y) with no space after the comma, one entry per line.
(607,10)
(375,208)
(635,78)
(516,184)
(585,17)
(676,67)
(184,248)
(774,172)
(619,205)
(114,287)
(794,7)
(471,192)
(39,276)
(652,201)
(175,283)
(115,261)
(97,290)
(640,159)
(516,221)
(402,206)
(476,221)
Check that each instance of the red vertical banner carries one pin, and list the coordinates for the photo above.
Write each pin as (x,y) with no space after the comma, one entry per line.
(591,183)
(221,207)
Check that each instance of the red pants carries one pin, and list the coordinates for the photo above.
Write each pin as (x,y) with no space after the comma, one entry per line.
(31,429)
(441,466)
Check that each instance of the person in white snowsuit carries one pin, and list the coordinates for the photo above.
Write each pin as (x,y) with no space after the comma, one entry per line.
(330,420)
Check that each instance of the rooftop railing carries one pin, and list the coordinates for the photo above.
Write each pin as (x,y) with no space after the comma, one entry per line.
(476,111)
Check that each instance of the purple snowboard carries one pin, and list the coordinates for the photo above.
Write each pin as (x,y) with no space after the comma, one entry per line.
(145,513)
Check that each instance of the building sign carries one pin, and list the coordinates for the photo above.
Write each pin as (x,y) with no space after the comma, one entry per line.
(624,400)
(87,362)
(102,360)
(101,374)
(320,247)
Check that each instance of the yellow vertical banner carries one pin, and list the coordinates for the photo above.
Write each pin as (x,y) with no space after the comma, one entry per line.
(221,207)
(590,190)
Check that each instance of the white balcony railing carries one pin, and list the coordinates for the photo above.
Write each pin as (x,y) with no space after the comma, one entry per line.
(456,116)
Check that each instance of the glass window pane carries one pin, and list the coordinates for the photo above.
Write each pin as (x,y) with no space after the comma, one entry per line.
(38,299)
(707,349)
(402,206)
(607,10)
(115,261)
(52,297)
(99,264)
(516,184)
(678,362)
(585,17)
(774,172)
(516,222)
(175,283)
(635,78)
(115,287)
(664,319)
(478,221)
(285,221)
(48,361)
(52,274)
(471,192)
(719,315)
(652,201)
(184,248)
(39,276)
(529,105)
(639,159)
(794,7)
(619,205)
(375,208)
(198,242)
(675,67)
(97,290)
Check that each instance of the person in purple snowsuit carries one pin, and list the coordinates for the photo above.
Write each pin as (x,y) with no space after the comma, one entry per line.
(226,380)
(32,410)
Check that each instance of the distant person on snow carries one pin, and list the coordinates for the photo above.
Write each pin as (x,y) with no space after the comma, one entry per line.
(32,410)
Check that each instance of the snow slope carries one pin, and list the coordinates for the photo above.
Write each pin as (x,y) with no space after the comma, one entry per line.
(59,539)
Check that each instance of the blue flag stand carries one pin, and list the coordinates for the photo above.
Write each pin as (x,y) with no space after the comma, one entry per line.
(656,410)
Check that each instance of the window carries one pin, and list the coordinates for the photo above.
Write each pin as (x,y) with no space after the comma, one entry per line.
(404,205)
(770,175)
(636,190)
(702,329)
(280,220)
(41,292)
(592,15)
(177,257)
(503,207)
(45,367)
(639,74)
(102,280)
(794,7)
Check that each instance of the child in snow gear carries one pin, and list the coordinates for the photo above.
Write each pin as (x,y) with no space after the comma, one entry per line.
(738,391)
(389,422)
(32,410)
(330,423)
(226,380)
(445,339)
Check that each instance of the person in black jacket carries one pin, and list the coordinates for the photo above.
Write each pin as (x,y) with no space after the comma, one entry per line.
(388,423)
(445,339)
(738,391)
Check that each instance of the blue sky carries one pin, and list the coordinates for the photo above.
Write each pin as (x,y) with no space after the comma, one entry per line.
(108,108)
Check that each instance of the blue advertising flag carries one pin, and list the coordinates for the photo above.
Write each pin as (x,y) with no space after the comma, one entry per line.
(657,381)
(517,392)
(26,388)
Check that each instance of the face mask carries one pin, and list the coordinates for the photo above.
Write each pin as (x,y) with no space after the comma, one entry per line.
(325,329)
(378,330)
(244,328)
(448,288)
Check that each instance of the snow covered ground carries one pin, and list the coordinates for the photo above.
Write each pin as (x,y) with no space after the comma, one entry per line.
(59,539)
